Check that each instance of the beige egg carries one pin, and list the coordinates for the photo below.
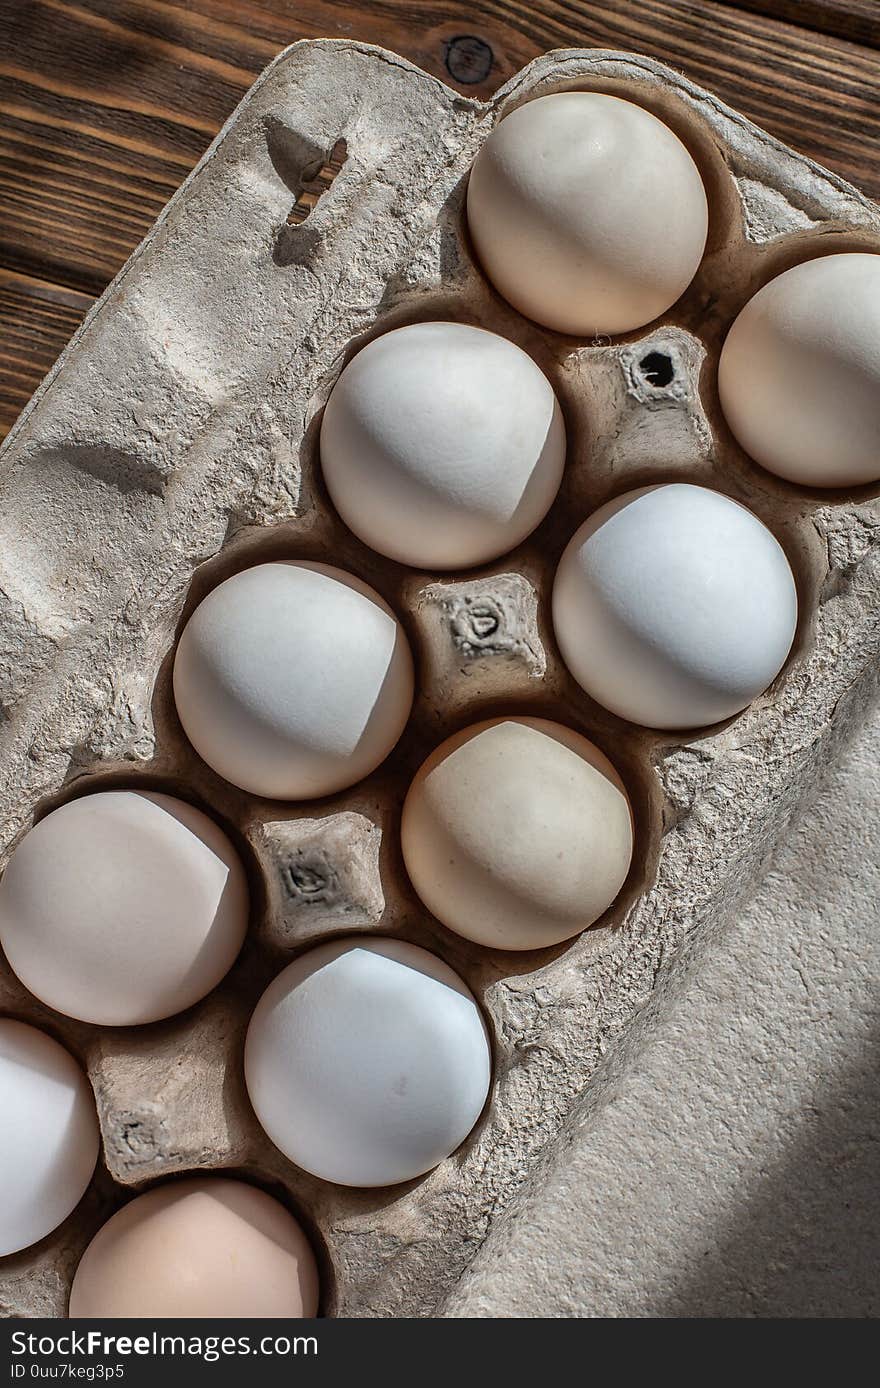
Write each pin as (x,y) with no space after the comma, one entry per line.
(799,373)
(517,833)
(207,1246)
(587,213)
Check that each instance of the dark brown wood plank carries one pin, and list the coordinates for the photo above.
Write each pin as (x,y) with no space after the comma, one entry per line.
(858,20)
(36,320)
(105,105)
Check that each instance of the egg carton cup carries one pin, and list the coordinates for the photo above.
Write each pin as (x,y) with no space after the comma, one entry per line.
(175,442)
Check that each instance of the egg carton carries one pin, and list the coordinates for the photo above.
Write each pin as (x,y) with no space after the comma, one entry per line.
(175,442)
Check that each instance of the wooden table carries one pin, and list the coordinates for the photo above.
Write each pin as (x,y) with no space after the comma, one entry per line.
(105,105)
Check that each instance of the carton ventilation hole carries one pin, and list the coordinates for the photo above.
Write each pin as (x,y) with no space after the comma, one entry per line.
(657,369)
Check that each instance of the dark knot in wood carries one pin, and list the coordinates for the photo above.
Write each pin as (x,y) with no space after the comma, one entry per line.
(468,59)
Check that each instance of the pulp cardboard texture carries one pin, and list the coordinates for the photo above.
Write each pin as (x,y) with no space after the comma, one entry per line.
(732,1166)
(175,442)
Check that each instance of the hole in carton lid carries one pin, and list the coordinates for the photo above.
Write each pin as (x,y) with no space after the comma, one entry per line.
(657,369)
(315,181)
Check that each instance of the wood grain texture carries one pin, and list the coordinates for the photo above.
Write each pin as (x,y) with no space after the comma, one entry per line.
(37,320)
(858,20)
(105,105)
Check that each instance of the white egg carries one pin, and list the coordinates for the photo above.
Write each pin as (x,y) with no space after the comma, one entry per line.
(367,1061)
(123,907)
(293,680)
(799,374)
(587,213)
(674,606)
(50,1135)
(442,445)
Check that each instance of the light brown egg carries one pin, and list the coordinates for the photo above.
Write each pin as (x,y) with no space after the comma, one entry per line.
(207,1246)
(517,833)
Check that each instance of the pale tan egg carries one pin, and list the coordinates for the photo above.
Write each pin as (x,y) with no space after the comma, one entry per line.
(517,833)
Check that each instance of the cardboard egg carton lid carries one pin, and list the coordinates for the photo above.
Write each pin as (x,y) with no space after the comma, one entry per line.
(176,440)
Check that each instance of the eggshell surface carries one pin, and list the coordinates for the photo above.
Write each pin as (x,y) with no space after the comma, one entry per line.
(799,373)
(674,606)
(442,445)
(517,833)
(293,680)
(206,1246)
(50,1135)
(367,1061)
(587,213)
(123,907)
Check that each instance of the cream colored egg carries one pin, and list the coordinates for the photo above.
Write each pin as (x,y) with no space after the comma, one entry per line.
(799,374)
(517,833)
(293,680)
(123,907)
(442,445)
(587,213)
(203,1247)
